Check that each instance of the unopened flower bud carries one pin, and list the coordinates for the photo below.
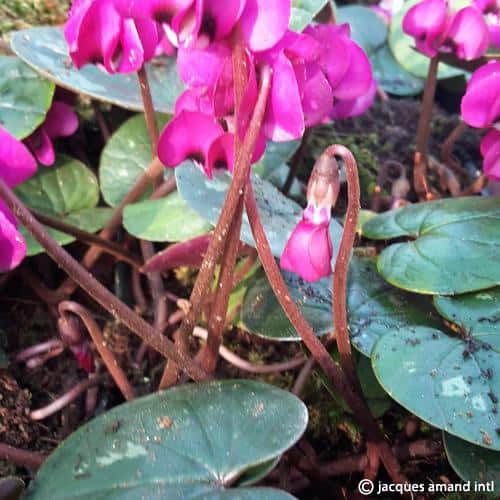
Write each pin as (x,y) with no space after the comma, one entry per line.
(323,187)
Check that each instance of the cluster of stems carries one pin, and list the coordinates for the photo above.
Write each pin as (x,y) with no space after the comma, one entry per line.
(223,249)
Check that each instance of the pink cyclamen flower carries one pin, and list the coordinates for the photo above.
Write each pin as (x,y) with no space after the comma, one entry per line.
(309,249)
(435,28)
(491,12)
(198,23)
(97,33)
(490,149)
(61,121)
(480,105)
(16,165)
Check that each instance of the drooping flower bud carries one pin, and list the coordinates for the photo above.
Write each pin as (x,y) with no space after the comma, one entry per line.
(71,332)
(309,249)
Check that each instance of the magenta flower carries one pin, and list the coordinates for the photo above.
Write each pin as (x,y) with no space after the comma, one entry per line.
(97,33)
(490,149)
(309,249)
(481,103)
(435,28)
(491,12)
(61,121)
(201,22)
(16,165)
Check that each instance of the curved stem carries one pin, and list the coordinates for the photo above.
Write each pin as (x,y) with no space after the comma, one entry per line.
(423,131)
(339,308)
(149,111)
(447,148)
(107,356)
(101,294)
(24,458)
(339,380)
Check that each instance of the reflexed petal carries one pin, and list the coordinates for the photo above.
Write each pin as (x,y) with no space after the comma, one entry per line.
(426,21)
(317,96)
(468,34)
(355,107)
(149,36)
(284,120)
(16,162)
(264,22)
(321,250)
(188,135)
(40,144)
(219,18)
(220,154)
(481,103)
(490,149)
(12,244)
(358,78)
(194,100)
(61,120)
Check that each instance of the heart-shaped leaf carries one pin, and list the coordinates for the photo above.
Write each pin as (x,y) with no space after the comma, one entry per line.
(391,76)
(46,51)
(474,312)
(165,219)
(374,307)
(279,214)
(191,441)
(455,248)
(473,463)
(449,382)
(25,97)
(303,12)
(367,28)
(402,47)
(125,157)
(69,191)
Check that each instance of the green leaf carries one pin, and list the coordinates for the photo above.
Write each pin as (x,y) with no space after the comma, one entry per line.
(451,383)
(474,312)
(165,219)
(279,214)
(402,47)
(391,76)
(473,463)
(374,307)
(25,97)
(377,399)
(455,250)
(46,51)
(125,157)
(192,441)
(367,28)
(69,191)
(303,12)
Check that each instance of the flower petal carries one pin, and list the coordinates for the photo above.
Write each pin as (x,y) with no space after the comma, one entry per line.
(188,135)
(264,22)
(61,120)
(40,144)
(490,149)
(354,107)
(12,244)
(16,162)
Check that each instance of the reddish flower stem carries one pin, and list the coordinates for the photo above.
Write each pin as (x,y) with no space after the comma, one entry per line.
(339,380)
(447,148)
(423,131)
(107,356)
(37,349)
(24,458)
(66,398)
(339,306)
(234,195)
(149,110)
(97,291)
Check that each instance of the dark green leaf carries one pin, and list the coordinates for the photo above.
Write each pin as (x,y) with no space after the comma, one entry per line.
(46,51)
(25,98)
(367,28)
(377,399)
(374,307)
(391,76)
(125,157)
(450,383)
(69,191)
(455,250)
(279,214)
(473,463)
(303,12)
(165,219)
(402,47)
(474,312)
(192,441)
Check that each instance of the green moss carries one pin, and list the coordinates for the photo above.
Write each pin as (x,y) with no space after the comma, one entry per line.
(19,14)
